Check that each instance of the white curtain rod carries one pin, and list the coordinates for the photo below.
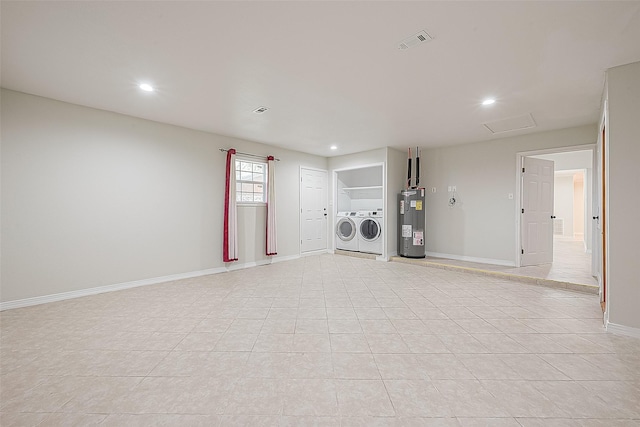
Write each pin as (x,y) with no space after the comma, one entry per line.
(248,154)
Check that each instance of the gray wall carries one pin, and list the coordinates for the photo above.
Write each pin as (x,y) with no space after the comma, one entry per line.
(92,198)
(482,224)
(396,181)
(623,202)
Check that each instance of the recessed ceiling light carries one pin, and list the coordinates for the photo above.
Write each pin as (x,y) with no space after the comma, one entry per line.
(488,101)
(334,147)
(146,87)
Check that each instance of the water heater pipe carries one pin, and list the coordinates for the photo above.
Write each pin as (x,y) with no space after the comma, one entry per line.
(409,170)
(417,167)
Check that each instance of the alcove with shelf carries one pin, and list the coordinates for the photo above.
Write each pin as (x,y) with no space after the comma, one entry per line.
(360,189)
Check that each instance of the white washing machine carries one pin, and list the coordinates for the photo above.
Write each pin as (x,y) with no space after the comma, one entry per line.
(370,231)
(347,231)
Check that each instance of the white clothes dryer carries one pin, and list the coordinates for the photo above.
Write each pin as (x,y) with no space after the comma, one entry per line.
(347,231)
(370,231)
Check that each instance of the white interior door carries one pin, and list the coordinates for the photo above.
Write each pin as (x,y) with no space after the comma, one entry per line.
(313,210)
(537,212)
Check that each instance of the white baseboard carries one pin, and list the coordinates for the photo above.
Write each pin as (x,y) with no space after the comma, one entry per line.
(7,305)
(622,330)
(472,259)
(233,266)
(285,258)
(311,253)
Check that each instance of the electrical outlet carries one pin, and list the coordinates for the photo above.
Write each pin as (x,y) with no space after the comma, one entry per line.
(449,189)
(454,188)
(510,196)
(433,189)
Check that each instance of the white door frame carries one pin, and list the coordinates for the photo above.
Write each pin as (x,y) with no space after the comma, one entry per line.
(334,204)
(603,276)
(300,210)
(518,204)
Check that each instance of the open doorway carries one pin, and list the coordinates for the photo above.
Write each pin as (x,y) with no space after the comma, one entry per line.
(570,207)
(572,226)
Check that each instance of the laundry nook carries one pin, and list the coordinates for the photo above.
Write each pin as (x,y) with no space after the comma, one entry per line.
(360,209)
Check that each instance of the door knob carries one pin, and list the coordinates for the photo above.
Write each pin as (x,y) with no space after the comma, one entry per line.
(596,217)
(553,217)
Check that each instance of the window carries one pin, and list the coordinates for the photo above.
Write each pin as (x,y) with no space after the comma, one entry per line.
(251,181)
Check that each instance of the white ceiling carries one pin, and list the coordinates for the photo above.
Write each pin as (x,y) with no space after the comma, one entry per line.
(329,72)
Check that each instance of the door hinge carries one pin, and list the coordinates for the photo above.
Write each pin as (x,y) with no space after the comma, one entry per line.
(522,210)
(522,251)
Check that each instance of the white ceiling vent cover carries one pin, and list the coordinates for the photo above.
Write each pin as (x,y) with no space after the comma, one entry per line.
(260,110)
(415,40)
(514,123)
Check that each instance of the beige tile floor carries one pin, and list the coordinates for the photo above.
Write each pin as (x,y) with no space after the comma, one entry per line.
(321,341)
(570,264)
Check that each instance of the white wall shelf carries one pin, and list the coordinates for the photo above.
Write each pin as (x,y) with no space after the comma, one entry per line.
(363,197)
(360,189)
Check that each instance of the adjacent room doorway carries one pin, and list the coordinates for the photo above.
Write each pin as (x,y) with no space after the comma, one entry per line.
(570,233)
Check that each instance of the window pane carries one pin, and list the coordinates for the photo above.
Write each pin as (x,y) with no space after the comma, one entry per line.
(251,180)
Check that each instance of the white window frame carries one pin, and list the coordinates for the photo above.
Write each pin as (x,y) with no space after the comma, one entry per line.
(239,182)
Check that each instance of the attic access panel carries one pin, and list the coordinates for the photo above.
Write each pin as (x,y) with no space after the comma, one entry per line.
(511,124)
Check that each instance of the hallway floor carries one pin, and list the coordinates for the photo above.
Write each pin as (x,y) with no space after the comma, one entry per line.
(324,340)
(570,264)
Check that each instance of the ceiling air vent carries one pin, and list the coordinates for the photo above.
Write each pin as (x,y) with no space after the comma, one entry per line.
(514,123)
(260,110)
(415,40)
